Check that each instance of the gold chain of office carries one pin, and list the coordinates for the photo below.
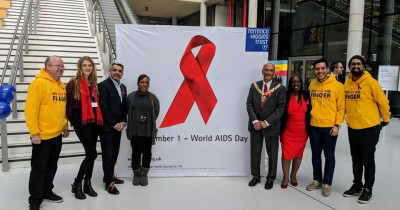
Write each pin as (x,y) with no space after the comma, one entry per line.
(264,95)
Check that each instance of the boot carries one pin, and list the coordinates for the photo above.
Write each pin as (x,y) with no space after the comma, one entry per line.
(143,178)
(77,190)
(87,188)
(136,177)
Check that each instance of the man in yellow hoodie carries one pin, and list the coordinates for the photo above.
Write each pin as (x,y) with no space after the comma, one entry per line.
(47,123)
(365,99)
(327,100)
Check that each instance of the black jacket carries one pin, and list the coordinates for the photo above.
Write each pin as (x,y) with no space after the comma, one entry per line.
(113,110)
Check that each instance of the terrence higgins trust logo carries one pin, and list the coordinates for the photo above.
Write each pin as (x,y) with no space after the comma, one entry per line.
(195,87)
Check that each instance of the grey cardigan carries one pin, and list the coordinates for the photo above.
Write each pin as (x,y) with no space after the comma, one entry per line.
(155,111)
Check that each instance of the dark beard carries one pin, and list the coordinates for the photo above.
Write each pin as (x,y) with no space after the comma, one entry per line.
(357,73)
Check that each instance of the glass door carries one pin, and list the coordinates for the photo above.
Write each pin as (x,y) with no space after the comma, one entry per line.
(303,67)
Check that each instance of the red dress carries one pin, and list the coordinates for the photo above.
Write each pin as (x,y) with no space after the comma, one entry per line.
(294,137)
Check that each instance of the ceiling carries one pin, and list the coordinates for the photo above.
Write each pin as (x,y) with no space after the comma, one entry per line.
(169,8)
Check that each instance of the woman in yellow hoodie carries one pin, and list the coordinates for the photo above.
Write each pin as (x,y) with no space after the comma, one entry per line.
(365,99)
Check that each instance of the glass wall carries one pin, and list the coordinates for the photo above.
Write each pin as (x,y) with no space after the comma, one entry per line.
(320,28)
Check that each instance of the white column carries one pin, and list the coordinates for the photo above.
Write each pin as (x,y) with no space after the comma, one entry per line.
(203,14)
(356,20)
(252,13)
(174,21)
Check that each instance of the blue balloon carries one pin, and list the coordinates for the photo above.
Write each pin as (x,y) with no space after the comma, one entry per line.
(5,110)
(7,93)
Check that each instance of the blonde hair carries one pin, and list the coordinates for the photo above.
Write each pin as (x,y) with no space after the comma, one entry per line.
(79,75)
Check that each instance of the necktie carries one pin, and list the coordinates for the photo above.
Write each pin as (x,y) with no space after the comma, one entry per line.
(264,95)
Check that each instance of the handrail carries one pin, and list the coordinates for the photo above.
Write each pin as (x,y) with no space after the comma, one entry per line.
(102,23)
(122,12)
(12,44)
(125,5)
(17,65)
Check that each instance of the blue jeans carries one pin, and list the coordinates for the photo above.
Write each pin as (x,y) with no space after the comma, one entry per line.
(320,139)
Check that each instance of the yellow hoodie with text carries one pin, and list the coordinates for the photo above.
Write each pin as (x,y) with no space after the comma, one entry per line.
(364,100)
(327,100)
(45,107)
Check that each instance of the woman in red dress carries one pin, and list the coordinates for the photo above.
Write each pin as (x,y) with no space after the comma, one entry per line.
(294,126)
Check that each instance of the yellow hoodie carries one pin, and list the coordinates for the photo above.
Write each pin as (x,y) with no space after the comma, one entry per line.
(327,100)
(45,106)
(364,99)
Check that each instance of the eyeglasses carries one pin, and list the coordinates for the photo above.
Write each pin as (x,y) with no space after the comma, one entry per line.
(58,66)
(355,64)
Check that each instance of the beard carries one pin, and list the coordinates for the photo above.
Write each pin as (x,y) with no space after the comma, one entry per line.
(357,73)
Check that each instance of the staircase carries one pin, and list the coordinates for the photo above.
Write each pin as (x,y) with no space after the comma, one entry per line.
(112,17)
(63,29)
(4,5)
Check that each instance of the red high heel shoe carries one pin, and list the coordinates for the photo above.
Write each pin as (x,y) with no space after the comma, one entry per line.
(284,186)
(294,184)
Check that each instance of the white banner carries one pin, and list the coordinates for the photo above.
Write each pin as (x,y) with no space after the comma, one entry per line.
(206,143)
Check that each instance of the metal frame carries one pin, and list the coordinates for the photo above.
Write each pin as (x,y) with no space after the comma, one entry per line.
(100,26)
(29,26)
(301,58)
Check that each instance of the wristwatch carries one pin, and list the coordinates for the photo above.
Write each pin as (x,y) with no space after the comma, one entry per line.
(337,125)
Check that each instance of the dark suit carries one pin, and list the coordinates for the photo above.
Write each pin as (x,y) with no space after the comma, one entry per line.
(272,111)
(341,77)
(113,112)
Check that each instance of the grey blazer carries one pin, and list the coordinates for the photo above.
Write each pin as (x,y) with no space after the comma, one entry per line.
(274,107)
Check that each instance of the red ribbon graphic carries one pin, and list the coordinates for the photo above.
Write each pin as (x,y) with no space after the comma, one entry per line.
(195,87)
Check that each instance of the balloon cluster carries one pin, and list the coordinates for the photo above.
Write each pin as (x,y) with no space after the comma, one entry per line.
(7,94)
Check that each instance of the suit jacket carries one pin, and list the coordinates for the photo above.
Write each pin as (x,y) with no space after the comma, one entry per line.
(110,103)
(341,77)
(306,95)
(274,107)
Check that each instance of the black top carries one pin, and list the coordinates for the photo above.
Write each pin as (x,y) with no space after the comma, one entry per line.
(141,107)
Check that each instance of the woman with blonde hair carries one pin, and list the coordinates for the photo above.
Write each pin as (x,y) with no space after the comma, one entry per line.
(83,111)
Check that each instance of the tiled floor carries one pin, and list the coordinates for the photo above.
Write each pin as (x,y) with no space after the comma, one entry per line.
(224,192)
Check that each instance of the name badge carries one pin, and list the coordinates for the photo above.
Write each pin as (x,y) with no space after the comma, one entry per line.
(94,104)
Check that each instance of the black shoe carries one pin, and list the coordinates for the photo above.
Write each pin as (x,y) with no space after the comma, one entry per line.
(77,190)
(253,182)
(112,189)
(34,207)
(118,181)
(365,197)
(52,197)
(353,191)
(269,184)
(87,188)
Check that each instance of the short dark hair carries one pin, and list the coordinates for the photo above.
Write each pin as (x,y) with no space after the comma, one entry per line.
(118,64)
(334,65)
(142,76)
(321,60)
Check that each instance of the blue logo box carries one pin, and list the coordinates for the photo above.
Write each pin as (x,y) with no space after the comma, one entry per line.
(257,39)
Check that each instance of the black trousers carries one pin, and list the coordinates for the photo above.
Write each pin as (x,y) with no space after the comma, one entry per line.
(256,145)
(141,145)
(88,135)
(362,147)
(43,168)
(110,142)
